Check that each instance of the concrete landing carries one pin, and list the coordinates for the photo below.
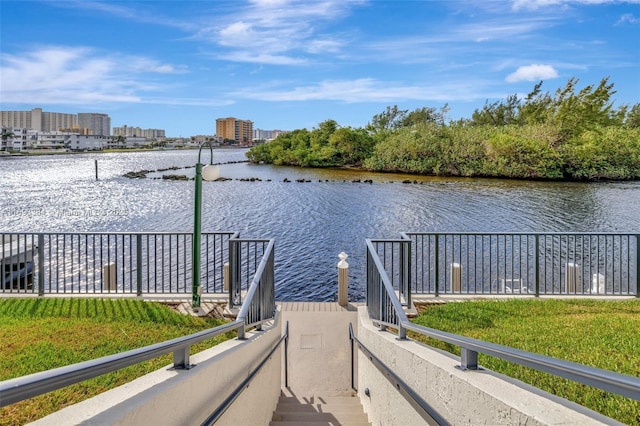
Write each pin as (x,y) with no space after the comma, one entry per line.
(319,359)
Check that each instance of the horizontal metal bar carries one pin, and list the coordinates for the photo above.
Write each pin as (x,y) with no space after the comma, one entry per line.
(21,388)
(426,411)
(24,387)
(245,383)
(621,384)
(592,234)
(603,379)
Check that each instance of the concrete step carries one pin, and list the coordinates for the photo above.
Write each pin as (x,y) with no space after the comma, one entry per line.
(272,423)
(287,423)
(319,410)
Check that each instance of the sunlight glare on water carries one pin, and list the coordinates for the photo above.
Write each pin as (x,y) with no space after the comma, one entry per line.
(311,222)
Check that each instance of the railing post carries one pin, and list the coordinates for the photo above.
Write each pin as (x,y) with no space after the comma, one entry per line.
(468,359)
(241,332)
(638,265)
(181,358)
(402,332)
(233,272)
(537,265)
(405,286)
(437,264)
(139,264)
(381,298)
(286,355)
(353,359)
(40,264)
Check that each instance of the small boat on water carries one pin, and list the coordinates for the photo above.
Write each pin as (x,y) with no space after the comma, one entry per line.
(16,262)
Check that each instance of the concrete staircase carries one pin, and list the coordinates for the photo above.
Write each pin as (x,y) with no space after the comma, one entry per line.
(317,410)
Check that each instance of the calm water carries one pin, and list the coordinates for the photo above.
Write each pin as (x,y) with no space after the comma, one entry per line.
(311,222)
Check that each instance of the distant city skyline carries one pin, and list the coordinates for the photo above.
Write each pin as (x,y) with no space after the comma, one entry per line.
(100,124)
(289,64)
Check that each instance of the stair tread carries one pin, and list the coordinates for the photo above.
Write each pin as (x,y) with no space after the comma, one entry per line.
(341,417)
(298,423)
(319,410)
(318,399)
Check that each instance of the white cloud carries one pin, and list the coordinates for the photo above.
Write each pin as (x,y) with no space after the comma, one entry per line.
(628,18)
(532,72)
(263,58)
(77,75)
(537,4)
(363,90)
(279,31)
(269,3)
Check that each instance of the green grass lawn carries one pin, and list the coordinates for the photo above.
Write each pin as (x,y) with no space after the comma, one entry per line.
(40,334)
(602,334)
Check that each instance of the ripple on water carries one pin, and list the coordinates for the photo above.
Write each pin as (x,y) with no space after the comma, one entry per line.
(311,222)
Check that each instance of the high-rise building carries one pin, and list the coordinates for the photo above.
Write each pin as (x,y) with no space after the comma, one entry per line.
(240,131)
(267,135)
(99,123)
(131,131)
(36,119)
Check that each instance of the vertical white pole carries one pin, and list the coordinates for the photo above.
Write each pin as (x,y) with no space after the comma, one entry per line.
(571,277)
(225,276)
(456,277)
(343,280)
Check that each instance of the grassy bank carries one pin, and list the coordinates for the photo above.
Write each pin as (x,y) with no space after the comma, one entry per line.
(602,334)
(40,334)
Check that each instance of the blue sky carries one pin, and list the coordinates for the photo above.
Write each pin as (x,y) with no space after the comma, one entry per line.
(288,64)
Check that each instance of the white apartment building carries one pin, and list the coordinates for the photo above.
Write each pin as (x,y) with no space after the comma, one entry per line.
(21,139)
(36,119)
(132,131)
(100,124)
(13,139)
(267,135)
(78,142)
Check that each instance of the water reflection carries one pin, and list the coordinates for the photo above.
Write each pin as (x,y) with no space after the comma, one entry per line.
(311,222)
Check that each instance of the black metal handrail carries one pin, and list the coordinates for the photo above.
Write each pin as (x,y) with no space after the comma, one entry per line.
(521,263)
(101,263)
(426,411)
(379,284)
(24,387)
(255,310)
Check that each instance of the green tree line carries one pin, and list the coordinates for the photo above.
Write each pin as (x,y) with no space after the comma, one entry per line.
(570,134)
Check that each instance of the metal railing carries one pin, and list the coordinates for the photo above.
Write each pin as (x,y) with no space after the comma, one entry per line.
(385,310)
(593,264)
(255,311)
(426,411)
(218,412)
(120,263)
(245,255)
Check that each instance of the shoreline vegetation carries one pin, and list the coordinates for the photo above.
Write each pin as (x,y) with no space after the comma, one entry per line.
(570,135)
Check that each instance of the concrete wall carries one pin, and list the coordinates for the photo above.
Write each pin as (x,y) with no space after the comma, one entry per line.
(461,397)
(180,397)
